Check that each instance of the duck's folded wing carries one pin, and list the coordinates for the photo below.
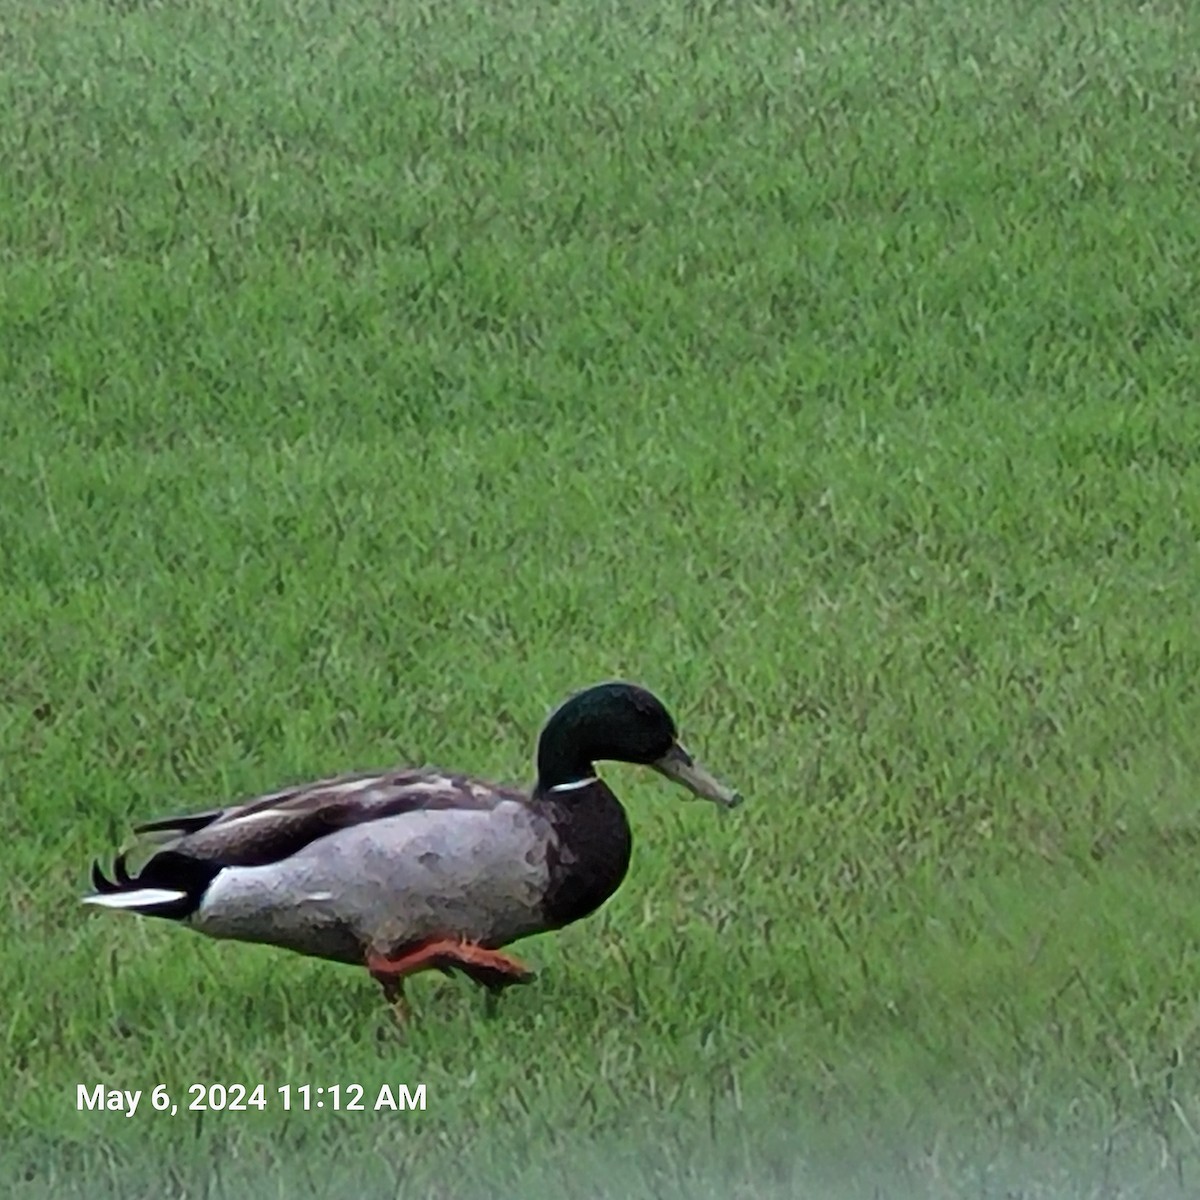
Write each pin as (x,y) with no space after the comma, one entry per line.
(174,827)
(280,825)
(274,827)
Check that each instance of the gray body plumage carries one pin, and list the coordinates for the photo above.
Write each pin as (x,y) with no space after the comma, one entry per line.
(471,873)
(367,862)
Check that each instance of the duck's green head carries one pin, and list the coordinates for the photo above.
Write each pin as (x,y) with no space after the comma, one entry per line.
(619,722)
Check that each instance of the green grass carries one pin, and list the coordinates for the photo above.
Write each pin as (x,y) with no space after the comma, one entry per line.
(374,375)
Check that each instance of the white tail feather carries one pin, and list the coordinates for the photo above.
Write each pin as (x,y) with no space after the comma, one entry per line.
(136,899)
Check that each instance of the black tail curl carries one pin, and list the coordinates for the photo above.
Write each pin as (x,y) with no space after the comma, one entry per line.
(168,870)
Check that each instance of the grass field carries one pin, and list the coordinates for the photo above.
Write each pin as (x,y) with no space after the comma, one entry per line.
(374,375)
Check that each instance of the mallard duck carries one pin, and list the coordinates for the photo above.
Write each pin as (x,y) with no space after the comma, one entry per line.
(412,869)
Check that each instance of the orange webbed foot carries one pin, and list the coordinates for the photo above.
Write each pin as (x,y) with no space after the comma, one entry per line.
(489,968)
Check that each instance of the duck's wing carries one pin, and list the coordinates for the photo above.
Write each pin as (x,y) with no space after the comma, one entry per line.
(271,828)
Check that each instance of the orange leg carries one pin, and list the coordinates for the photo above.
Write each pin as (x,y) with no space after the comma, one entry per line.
(489,968)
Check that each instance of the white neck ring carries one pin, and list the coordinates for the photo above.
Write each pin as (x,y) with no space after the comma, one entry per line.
(574,785)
